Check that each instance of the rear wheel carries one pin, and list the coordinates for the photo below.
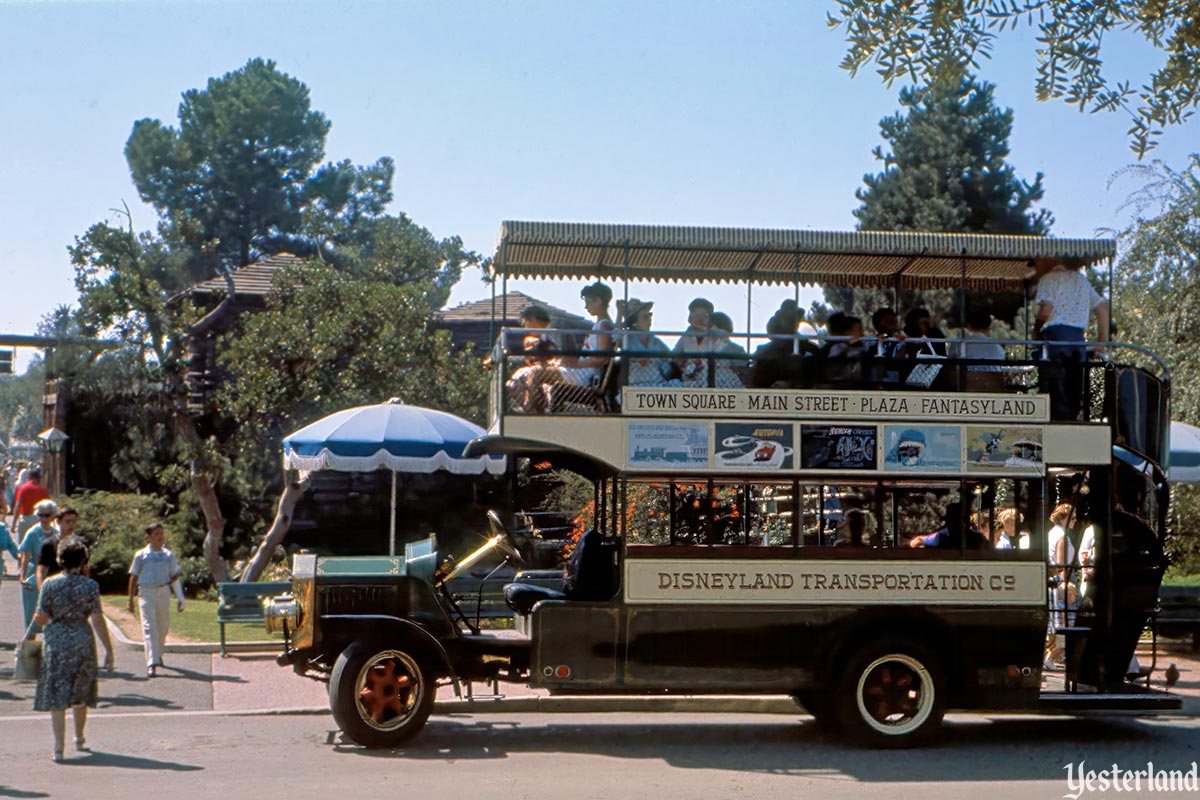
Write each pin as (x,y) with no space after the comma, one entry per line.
(380,696)
(891,694)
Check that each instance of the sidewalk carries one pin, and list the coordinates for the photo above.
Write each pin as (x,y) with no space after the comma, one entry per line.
(198,679)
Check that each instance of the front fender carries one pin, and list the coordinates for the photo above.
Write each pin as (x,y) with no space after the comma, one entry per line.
(340,630)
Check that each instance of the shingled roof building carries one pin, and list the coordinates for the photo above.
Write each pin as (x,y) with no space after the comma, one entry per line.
(471,325)
(251,285)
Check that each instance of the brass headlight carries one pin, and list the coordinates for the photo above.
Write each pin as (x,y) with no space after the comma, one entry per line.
(280,611)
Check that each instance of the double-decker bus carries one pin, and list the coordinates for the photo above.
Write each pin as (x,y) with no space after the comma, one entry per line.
(879,547)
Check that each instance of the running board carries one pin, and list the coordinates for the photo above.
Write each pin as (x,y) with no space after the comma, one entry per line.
(1118,701)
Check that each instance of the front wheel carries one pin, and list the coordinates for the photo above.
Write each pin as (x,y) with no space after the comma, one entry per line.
(891,694)
(380,696)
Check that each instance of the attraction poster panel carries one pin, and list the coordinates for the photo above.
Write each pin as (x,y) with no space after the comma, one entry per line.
(1004,450)
(922,448)
(741,445)
(839,447)
(668,444)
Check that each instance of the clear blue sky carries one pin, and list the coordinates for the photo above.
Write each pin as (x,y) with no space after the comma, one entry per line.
(704,113)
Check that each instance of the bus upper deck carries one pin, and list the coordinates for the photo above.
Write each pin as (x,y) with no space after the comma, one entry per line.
(784,373)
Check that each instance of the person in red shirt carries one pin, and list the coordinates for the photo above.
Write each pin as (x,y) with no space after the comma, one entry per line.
(28,495)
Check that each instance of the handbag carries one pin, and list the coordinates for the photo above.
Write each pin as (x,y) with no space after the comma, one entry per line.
(924,374)
(29,661)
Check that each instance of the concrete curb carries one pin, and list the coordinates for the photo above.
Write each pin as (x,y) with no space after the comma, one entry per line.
(121,640)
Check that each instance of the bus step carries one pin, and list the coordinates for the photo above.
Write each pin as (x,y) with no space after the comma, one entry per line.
(1144,700)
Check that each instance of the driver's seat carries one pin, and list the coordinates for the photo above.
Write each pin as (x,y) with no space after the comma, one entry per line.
(522,597)
(589,576)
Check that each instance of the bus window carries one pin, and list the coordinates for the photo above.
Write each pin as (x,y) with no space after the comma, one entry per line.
(648,513)
(771,509)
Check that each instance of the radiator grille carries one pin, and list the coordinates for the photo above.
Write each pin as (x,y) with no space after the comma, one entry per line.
(356,599)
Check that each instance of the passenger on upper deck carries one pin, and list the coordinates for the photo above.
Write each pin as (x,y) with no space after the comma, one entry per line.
(780,362)
(532,316)
(953,535)
(918,327)
(845,356)
(696,341)
(730,370)
(889,347)
(980,346)
(588,370)
(643,370)
(1065,303)
(527,383)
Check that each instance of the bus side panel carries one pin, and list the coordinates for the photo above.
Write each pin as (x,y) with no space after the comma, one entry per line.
(774,649)
(574,645)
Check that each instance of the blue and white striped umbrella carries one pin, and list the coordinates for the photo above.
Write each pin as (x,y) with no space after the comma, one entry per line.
(389,435)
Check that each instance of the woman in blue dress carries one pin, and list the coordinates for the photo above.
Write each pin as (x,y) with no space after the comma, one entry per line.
(68,674)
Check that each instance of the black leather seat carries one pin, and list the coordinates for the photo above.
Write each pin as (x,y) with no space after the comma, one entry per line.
(522,597)
(591,575)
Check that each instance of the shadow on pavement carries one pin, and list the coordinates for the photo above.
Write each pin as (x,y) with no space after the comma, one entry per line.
(121,761)
(127,700)
(168,671)
(996,749)
(8,791)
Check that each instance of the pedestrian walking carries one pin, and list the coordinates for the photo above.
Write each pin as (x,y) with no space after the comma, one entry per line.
(31,549)
(154,573)
(29,493)
(68,518)
(67,678)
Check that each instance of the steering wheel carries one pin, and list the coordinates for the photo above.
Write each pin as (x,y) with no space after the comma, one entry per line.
(507,543)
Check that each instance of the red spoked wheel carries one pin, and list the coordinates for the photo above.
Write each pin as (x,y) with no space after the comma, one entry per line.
(381,697)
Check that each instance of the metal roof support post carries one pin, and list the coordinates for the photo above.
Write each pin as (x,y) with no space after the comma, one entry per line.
(1025,310)
(504,298)
(492,317)
(962,314)
(749,294)
(796,295)
(1112,305)
(626,273)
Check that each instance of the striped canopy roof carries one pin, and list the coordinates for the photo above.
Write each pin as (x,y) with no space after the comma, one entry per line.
(850,258)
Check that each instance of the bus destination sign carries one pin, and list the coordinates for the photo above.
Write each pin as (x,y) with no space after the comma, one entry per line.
(823,404)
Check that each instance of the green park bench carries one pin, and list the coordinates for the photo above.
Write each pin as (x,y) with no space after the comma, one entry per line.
(242,602)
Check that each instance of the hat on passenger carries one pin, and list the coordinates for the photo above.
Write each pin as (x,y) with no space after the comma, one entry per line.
(700,302)
(631,308)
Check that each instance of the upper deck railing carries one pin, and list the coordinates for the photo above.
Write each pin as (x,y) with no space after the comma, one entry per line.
(536,372)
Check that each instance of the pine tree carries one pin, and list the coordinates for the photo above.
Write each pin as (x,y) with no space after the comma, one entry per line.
(946,170)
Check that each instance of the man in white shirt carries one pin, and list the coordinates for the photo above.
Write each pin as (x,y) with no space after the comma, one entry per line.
(1066,301)
(152,575)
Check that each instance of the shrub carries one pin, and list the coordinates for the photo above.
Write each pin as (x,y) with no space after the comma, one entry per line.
(112,524)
